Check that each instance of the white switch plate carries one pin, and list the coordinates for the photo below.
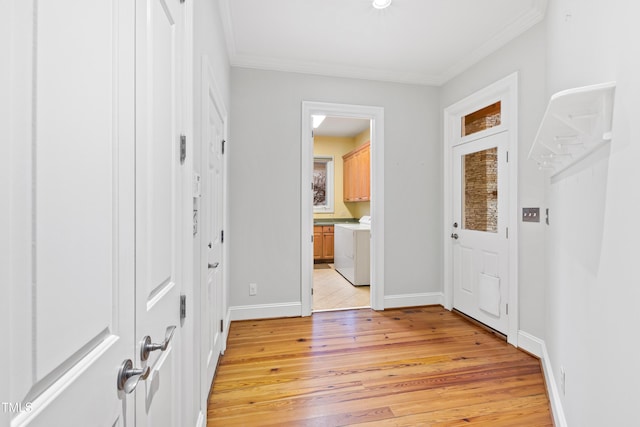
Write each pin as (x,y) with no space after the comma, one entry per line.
(253,289)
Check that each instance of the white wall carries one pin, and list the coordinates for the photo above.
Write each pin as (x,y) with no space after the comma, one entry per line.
(265,172)
(526,55)
(593,287)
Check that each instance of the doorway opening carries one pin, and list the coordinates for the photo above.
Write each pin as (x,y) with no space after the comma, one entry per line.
(341,213)
(338,215)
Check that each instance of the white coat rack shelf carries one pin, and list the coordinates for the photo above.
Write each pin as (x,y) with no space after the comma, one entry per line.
(577,121)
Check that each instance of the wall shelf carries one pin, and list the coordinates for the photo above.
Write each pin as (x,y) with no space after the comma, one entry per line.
(577,121)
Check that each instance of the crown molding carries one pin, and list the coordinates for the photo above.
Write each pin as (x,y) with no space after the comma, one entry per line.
(525,22)
(333,70)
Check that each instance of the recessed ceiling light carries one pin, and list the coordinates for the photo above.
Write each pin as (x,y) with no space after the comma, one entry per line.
(381,4)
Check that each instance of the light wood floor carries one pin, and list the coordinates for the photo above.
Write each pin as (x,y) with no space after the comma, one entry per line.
(406,367)
(331,291)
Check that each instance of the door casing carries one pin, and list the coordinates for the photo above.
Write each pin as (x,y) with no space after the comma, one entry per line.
(376,115)
(505,90)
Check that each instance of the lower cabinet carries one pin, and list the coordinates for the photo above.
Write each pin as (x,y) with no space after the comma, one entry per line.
(323,242)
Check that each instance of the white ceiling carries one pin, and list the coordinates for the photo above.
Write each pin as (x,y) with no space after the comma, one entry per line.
(412,41)
(341,126)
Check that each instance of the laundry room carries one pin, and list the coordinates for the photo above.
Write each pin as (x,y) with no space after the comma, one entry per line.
(341,212)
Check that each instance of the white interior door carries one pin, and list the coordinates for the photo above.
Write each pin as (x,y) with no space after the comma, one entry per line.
(479,230)
(159,178)
(71,263)
(212,262)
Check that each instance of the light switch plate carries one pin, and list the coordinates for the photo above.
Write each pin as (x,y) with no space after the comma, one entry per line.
(530,214)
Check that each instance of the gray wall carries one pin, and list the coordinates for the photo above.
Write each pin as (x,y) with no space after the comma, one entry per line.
(593,287)
(264,168)
(579,293)
(527,56)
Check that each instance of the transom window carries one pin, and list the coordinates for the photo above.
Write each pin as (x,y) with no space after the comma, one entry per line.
(482,119)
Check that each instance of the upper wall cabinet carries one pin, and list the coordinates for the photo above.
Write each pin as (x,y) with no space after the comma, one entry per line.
(356,181)
(577,121)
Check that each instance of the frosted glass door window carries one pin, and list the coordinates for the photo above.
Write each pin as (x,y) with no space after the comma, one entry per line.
(480,191)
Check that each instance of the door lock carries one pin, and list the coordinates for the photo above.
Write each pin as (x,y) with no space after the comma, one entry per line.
(454,236)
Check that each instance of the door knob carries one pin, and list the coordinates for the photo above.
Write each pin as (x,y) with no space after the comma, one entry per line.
(128,377)
(214,265)
(454,236)
(146,346)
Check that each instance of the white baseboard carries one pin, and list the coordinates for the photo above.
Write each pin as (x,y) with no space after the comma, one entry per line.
(412,300)
(265,311)
(552,389)
(227,326)
(537,347)
(530,343)
(202,420)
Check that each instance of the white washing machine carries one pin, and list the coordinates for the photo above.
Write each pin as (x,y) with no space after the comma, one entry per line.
(351,252)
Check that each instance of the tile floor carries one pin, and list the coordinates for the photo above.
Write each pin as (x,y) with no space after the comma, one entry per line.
(331,291)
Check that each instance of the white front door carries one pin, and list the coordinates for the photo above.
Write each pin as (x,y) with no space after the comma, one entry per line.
(70,265)
(159,180)
(212,265)
(479,230)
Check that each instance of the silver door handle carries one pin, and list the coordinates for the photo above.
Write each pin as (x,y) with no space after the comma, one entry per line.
(147,346)
(128,377)
(454,236)
(214,265)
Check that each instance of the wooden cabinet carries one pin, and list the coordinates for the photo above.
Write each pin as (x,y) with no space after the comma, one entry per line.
(327,244)
(323,242)
(317,243)
(356,174)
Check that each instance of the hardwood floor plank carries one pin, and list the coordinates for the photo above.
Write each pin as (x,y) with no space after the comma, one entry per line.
(419,366)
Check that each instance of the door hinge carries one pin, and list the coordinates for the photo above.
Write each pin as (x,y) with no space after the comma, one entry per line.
(183,307)
(221,325)
(221,236)
(312,238)
(311,291)
(507,157)
(223,141)
(546,218)
(507,308)
(507,232)
(312,134)
(183,148)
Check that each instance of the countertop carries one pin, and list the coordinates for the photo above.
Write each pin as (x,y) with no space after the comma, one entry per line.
(333,221)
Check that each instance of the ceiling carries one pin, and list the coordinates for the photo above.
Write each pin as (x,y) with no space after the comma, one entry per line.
(341,126)
(412,41)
